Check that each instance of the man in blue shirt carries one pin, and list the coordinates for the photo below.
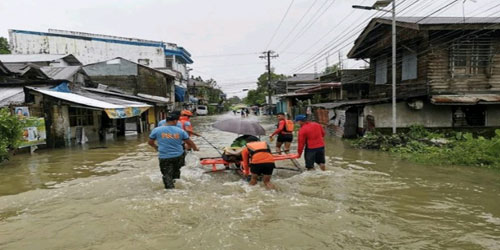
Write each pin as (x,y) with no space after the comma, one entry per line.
(169,139)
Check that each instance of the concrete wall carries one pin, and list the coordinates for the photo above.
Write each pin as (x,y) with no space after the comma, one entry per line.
(493,116)
(116,67)
(86,50)
(429,116)
(153,83)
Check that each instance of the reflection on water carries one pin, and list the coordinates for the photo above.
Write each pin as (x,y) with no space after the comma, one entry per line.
(112,198)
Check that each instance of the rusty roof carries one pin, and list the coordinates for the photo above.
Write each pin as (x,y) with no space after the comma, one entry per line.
(471,99)
(320,87)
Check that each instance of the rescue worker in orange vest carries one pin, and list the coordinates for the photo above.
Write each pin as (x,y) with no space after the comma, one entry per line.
(258,160)
(185,123)
(284,132)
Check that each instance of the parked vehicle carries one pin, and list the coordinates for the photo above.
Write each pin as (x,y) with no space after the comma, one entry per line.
(202,110)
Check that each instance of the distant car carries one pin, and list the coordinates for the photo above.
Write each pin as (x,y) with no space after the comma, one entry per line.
(202,110)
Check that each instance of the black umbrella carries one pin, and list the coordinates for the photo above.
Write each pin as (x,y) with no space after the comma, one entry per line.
(240,126)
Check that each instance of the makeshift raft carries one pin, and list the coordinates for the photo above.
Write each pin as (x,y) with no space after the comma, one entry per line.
(219,161)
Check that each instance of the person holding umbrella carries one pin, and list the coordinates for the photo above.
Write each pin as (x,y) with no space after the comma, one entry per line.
(311,136)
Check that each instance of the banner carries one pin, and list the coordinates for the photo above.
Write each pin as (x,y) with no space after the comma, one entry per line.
(125,112)
(34,132)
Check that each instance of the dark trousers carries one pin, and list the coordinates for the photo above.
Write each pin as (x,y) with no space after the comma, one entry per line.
(171,169)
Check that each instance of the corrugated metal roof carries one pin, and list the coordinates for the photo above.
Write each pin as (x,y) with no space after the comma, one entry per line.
(465,99)
(331,105)
(22,69)
(15,58)
(154,97)
(61,73)
(320,87)
(91,100)
(305,77)
(10,96)
(446,20)
(141,97)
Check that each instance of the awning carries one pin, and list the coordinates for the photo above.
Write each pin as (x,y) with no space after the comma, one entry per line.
(472,99)
(179,93)
(115,108)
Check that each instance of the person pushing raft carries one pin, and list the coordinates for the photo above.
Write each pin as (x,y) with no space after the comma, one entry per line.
(258,160)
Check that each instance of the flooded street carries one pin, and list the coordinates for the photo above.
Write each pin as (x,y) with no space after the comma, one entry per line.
(112,197)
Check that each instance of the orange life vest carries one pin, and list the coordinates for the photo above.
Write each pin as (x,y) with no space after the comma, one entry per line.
(289,126)
(259,152)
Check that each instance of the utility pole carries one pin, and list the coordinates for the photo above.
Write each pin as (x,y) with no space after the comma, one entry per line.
(378,6)
(268,55)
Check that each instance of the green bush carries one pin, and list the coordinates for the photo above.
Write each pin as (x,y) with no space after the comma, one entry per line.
(10,132)
(420,145)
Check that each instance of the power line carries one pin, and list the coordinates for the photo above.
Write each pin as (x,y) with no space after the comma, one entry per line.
(310,23)
(297,24)
(279,26)
(331,46)
(228,55)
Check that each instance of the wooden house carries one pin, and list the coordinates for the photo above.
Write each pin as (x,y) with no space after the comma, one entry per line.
(447,74)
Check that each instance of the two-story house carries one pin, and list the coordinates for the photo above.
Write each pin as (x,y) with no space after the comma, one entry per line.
(447,74)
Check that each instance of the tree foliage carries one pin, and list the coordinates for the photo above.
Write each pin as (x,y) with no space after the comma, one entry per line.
(258,96)
(10,132)
(4,46)
(421,145)
(234,100)
(332,69)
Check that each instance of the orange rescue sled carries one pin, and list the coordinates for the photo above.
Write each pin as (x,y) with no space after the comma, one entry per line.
(220,161)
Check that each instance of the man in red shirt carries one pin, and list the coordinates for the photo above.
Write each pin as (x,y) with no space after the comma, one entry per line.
(284,136)
(311,136)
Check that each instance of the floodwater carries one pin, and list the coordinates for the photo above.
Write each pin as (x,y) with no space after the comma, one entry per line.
(112,197)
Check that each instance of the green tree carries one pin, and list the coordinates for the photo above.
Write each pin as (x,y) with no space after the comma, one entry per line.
(4,46)
(10,132)
(332,69)
(234,100)
(258,96)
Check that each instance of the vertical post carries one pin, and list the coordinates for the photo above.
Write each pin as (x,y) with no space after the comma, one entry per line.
(269,77)
(394,67)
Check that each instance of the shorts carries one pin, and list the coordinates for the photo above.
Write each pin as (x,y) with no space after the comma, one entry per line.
(171,169)
(262,168)
(285,138)
(315,155)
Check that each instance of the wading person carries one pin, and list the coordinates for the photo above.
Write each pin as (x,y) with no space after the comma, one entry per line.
(169,144)
(284,132)
(185,122)
(258,160)
(311,136)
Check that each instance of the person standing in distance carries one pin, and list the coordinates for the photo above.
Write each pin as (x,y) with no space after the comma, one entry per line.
(169,144)
(284,132)
(311,136)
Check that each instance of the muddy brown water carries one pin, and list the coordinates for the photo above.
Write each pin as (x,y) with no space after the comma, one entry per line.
(112,198)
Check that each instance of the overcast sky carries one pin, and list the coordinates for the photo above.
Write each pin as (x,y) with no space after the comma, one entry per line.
(225,37)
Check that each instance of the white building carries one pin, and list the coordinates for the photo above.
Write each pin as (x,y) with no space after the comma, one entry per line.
(92,48)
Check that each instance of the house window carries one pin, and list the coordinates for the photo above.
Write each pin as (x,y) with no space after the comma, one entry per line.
(469,116)
(470,57)
(409,65)
(381,70)
(144,62)
(169,62)
(80,117)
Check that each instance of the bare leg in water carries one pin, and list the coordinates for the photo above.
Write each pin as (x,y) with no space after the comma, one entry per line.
(267,182)
(278,147)
(253,180)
